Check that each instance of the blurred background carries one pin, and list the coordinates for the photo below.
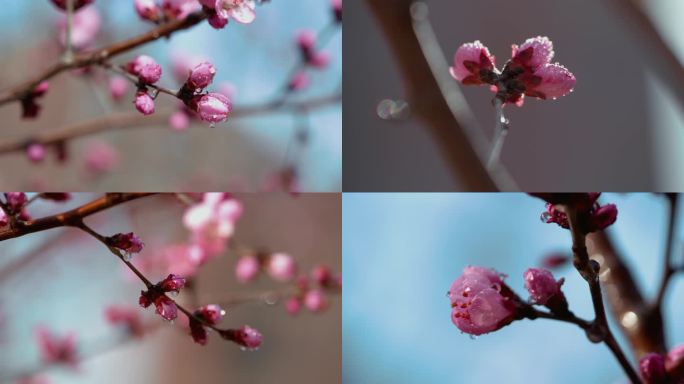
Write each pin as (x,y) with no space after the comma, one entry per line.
(241,154)
(621,129)
(64,279)
(403,251)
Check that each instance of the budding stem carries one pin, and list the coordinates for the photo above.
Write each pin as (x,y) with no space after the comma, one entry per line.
(68,57)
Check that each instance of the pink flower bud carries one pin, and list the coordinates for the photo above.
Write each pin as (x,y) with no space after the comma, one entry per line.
(472,63)
(247,268)
(179,121)
(293,306)
(534,53)
(306,40)
(281,267)
(36,152)
(147,9)
(146,68)
(481,302)
(216,21)
(299,81)
(337,10)
(321,275)
(118,86)
(652,368)
(85,27)
(100,157)
(210,313)
(246,336)
(15,200)
(316,301)
(550,81)
(180,9)
(62,4)
(201,76)
(144,103)
(674,362)
(172,283)
(212,107)
(127,242)
(541,285)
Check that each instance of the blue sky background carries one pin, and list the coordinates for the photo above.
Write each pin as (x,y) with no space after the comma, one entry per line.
(401,253)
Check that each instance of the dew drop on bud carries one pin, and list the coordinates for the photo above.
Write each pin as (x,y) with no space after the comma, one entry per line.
(173,293)
(545,217)
(128,256)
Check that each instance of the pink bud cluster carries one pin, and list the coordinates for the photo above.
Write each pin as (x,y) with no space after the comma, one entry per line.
(129,243)
(663,369)
(14,206)
(528,73)
(311,291)
(279,266)
(55,349)
(211,107)
(592,216)
(247,337)
(148,72)
(156,294)
(481,302)
(162,10)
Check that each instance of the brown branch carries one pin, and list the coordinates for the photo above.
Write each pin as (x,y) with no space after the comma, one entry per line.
(599,331)
(423,88)
(126,121)
(69,218)
(89,58)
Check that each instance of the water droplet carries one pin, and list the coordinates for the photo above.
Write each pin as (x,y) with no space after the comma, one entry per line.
(128,256)
(472,337)
(223,312)
(153,93)
(212,125)
(270,298)
(448,294)
(545,217)
(173,293)
(393,109)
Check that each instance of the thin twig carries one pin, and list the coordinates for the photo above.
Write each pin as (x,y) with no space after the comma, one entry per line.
(68,50)
(588,269)
(500,133)
(668,266)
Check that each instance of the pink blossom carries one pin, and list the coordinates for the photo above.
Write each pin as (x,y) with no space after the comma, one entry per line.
(247,268)
(551,81)
(216,21)
(36,152)
(472,63)
(201,76)
(147,9)
(316,301)
(212,221)
(481,302)
(62,4)
(56,350)
(86,24)
(281,267)
(246,336)
(100,157)
(179,121)
(321,275)
(541,285)
(212,107)
(144,103)
(242,11)
(29,107)
(210,313)
(293,305)
(652,368)
(146,68)
(118,85)
(126,316)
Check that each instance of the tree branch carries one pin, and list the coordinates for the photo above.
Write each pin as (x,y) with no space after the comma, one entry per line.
(98,56)
(69,218)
